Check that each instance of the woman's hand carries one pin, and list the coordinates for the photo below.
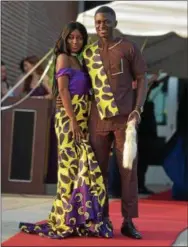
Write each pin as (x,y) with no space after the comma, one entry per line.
(37,97)
(76,130)
(48,96)
(4,89)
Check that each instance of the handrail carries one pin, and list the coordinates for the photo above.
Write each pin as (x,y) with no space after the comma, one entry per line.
(33,89)
(25,76)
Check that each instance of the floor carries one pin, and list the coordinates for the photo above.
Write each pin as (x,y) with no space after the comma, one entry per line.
(16,208)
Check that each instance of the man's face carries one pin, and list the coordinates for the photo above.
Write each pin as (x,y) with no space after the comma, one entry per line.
(104,24)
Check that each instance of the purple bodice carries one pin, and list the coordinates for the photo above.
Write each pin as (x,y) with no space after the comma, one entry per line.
(39,91)
(79,81)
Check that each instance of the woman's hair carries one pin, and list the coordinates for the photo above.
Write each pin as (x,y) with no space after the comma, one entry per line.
(61,46)
(33,60)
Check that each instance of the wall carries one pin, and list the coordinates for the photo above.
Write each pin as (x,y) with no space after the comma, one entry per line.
(31,28)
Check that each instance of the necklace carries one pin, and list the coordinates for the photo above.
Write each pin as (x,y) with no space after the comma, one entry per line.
(79,57)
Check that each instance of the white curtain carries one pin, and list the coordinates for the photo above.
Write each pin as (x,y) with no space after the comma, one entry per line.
(144,18)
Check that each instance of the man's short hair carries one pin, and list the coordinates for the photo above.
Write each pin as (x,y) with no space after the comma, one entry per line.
(106,9)
(2,63)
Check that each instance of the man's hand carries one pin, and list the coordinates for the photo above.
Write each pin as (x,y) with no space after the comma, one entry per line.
(134,115)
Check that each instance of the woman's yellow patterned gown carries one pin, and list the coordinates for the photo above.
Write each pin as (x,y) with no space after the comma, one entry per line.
(78,207)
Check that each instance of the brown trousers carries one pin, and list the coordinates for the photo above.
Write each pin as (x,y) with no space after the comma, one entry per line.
(102,135)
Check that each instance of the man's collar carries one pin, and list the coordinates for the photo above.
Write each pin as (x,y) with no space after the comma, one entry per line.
(112,44)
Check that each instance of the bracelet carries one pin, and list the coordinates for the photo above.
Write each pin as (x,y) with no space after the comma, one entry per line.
(138,113)
(139,109)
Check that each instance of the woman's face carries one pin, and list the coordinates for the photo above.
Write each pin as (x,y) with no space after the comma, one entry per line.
(27,66)
(75,41)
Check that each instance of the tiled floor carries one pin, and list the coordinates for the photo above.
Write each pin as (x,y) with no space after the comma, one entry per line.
(16,208)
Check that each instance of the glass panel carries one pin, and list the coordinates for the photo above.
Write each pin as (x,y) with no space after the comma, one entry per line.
(22,145)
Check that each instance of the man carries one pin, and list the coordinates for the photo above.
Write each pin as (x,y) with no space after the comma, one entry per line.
(147,136)
(113,63)
(4,83)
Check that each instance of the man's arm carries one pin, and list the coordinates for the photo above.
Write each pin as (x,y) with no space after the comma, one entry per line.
(139,69)
(142,89)
(89,79)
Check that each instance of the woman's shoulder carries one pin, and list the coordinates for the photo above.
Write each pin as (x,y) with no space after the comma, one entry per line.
(63,66)
(63,61)
(45,80)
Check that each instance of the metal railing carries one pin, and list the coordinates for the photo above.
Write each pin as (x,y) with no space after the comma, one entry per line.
(40,80)
(25,77)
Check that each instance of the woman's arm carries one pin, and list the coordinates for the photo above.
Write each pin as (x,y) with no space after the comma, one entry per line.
(45,83)
(19,90)
(63,82)
(4,89)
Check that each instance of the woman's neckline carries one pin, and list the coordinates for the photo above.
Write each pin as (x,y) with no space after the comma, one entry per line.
(74,69)
(79,70)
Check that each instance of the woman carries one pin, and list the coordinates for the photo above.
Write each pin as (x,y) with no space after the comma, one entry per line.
(41,91)
(77,209)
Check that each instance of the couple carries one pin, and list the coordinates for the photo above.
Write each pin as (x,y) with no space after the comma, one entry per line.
(87,125)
